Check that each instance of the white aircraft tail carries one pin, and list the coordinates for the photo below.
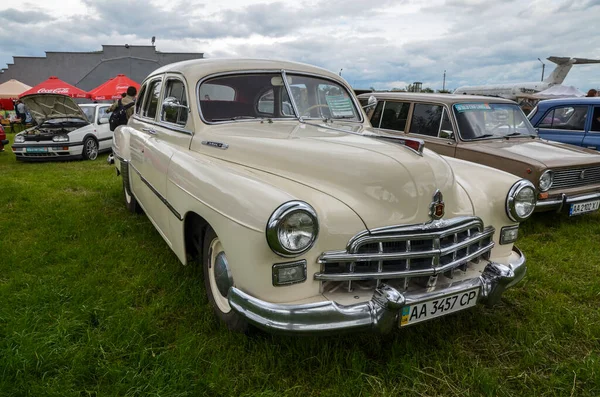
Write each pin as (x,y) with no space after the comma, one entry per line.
(563,66)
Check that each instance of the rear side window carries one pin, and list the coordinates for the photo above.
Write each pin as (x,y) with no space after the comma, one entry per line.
(175,94)
(570,118)
(376,116)
(426,119)
(394,115)
(151,102)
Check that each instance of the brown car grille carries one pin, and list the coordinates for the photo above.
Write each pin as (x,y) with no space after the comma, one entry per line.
(417,251)
(576,177)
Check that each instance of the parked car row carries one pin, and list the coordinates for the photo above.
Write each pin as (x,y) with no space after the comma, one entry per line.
(310,215)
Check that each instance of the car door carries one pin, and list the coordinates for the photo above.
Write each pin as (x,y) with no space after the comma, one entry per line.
(565,123)
(591,139)
(431,123)
(171,133)
(103,131)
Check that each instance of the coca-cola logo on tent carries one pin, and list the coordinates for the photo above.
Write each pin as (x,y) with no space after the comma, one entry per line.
(122,87)
(53,91)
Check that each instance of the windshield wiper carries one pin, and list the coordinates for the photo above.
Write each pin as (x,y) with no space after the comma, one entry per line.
(484,136)
(238,118)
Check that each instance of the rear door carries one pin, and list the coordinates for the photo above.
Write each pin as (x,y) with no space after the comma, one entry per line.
(565,123)
(592,137)
(431,122)
(103,128)
(171,133)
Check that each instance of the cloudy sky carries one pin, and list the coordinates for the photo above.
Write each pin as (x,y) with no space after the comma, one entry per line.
(381,44)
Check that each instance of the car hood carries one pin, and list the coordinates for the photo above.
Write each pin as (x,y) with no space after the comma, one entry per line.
(43,107)
(384,182)
(537,152)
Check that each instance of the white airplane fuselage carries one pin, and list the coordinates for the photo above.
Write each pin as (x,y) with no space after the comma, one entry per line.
(515,90)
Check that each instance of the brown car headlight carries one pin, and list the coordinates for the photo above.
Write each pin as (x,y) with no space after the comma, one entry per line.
(292,229)
(521,200)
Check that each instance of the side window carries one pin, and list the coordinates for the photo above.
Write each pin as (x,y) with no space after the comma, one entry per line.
(175,94)
(151,102)
(140,99)
(570,118)
(394,115)
(426,119)
(446,127)
(376,117)
(596,120)
(266,103)
(102,113)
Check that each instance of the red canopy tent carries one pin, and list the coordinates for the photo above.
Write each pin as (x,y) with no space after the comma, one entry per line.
(113,88)
(54,85)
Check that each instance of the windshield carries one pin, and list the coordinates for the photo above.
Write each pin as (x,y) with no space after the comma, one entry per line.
(491,120)
(265,96)
(89,112)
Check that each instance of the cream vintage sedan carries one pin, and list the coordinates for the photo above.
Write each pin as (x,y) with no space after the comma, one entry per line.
(303,218)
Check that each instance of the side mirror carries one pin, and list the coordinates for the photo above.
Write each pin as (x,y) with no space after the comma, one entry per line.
(103,120)
(171,103)
(371,103)
(448,134)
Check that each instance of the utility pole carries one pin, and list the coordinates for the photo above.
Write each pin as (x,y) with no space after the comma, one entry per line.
(444,83)
(543,67)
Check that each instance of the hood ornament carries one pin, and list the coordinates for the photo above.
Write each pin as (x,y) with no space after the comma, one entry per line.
(437,206)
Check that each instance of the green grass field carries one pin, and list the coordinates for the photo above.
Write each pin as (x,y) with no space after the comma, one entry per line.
(93,303)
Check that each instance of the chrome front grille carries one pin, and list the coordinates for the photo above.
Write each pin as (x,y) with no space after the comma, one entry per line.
(409,253)
(576,177)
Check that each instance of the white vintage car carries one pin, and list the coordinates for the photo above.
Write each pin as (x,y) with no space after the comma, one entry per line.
(64,130)
(304,219)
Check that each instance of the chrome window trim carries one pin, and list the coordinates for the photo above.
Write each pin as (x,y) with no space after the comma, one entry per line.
(160,94)
(166,124)
(382,111)
(283,73)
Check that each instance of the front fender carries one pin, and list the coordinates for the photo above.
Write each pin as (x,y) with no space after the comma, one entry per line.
(487,189)
(120,142)
(237,202)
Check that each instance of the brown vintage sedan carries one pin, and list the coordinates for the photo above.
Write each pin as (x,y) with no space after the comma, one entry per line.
(496,133)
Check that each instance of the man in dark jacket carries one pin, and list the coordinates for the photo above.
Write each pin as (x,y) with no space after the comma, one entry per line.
(129,98)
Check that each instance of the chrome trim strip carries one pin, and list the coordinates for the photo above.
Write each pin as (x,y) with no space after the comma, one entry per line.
(381,314)
(403,273)
(577,199)
(157,193)
(162,124)
(218,145)
(343,256)
(290,95)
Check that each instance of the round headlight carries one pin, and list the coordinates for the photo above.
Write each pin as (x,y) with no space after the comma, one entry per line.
(292,229)
(520,201)
(546,181)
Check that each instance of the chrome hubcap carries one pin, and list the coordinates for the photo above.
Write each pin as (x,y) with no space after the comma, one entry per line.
(223,277)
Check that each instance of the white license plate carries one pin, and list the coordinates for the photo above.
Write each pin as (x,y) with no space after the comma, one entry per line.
(438,307)
(582,208)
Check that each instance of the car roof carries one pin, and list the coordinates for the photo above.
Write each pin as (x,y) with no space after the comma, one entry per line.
(443,98)
(198,68)
(569,101)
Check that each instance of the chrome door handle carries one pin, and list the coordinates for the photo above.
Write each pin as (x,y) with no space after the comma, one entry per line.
(149,131)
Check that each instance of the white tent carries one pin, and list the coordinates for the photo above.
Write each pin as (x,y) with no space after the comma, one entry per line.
(12,89)
(559,91)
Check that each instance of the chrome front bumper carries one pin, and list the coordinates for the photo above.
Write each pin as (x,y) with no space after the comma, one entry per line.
(559,203)
(381,313)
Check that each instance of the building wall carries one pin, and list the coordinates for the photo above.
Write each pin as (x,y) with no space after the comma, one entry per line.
(88,70)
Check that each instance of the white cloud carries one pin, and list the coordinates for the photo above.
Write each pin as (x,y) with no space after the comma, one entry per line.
(384,44)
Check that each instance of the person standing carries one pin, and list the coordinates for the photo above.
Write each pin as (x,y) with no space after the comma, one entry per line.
(592,92)
(127,99)
(21,112)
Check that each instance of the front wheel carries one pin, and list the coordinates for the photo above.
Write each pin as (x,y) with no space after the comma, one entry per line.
(217,281)
(90,149)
